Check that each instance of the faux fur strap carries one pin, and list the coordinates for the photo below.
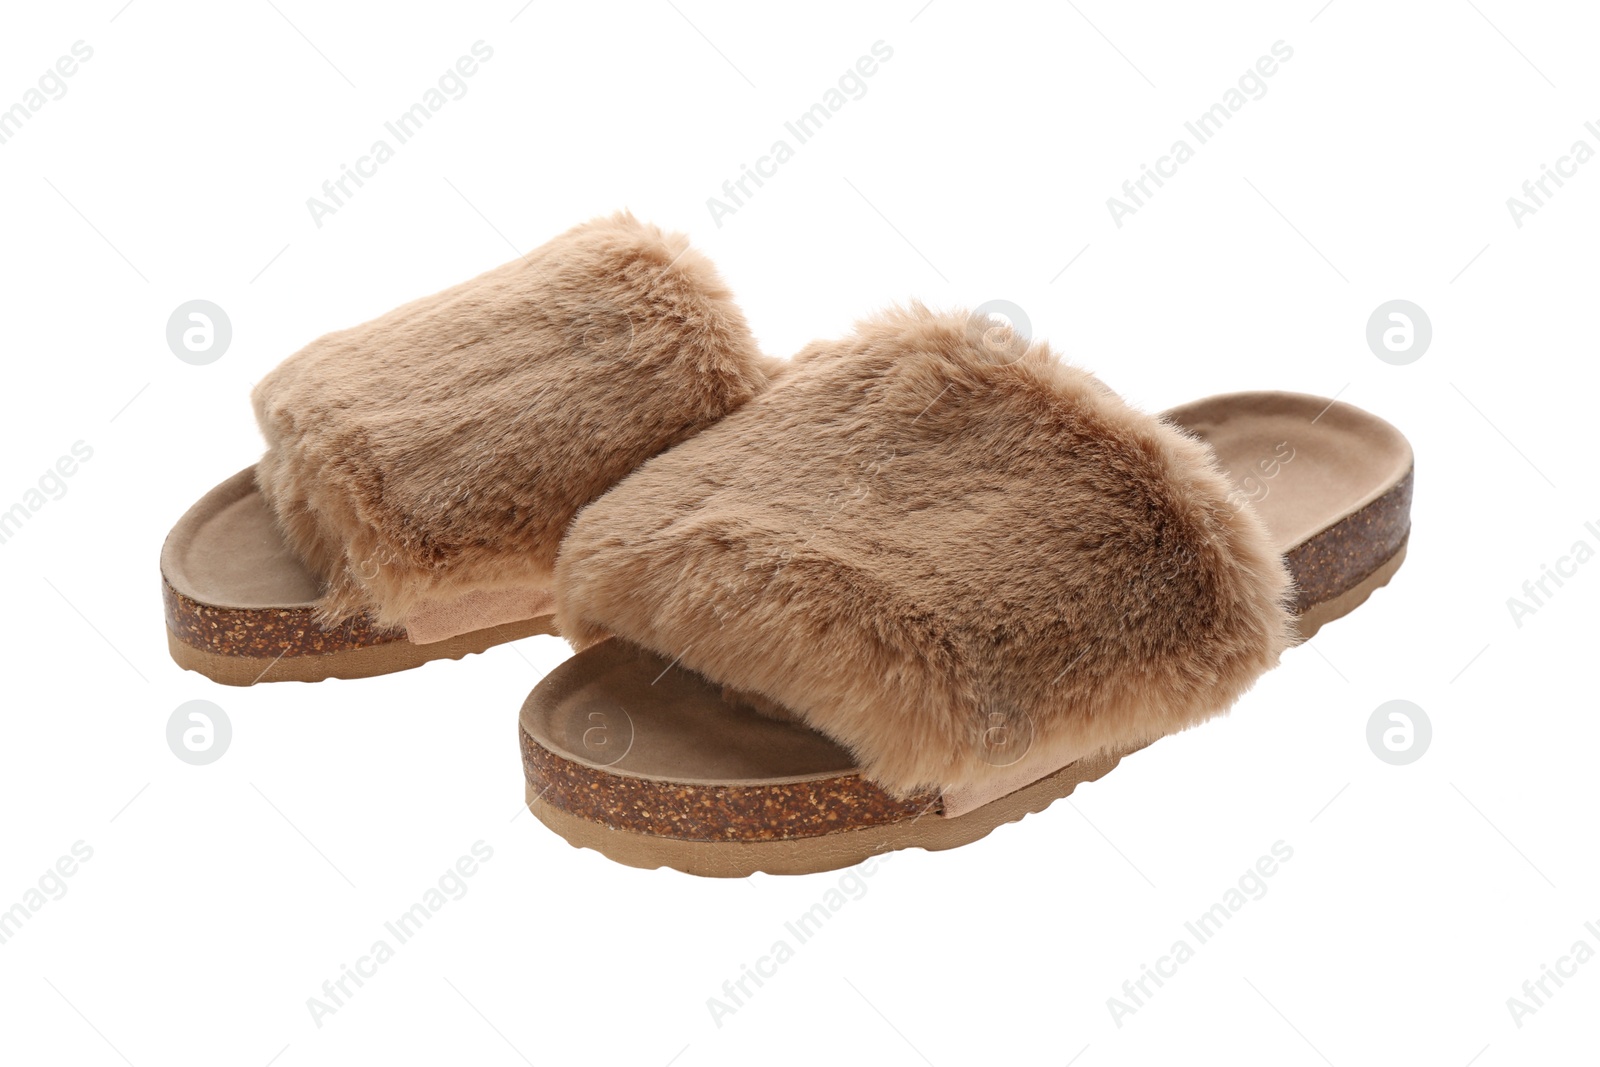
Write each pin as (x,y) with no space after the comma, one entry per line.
(945,549)
(431,459)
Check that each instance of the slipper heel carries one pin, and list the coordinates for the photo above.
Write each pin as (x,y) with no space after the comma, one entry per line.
(1339,569)
(1332,482)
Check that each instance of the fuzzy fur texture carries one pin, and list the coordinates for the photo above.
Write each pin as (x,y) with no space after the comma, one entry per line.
(442,449)
(928,530)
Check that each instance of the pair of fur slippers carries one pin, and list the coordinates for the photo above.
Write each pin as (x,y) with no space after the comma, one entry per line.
(895,591)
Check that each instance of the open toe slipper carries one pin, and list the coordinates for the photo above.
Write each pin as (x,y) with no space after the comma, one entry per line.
(421,469)
(927,583)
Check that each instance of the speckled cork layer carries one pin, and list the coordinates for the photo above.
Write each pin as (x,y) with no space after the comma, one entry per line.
(782,811)
(265,633)
(1340,557)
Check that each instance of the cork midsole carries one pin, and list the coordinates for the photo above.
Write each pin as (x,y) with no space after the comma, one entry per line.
(364,662)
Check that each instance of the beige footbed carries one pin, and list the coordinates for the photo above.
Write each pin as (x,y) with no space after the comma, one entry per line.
(681,729)
(226,558)
(227,552)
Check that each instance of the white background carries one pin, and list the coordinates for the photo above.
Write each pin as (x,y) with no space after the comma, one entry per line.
(975,167)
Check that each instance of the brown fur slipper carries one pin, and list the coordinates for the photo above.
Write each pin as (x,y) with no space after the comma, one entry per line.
(928,582)
(421,469)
